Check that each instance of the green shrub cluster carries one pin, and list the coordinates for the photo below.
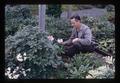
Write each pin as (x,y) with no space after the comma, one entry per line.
(41,52)
(103,31)
(110,8)
(16,17)
(102,72)
(81,64)
(101,27)
(59,28)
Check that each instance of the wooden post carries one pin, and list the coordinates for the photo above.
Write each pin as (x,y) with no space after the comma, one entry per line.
(69,11)
(42,11)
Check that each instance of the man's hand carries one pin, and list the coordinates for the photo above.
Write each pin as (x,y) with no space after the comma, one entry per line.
(60,41)
(75,40)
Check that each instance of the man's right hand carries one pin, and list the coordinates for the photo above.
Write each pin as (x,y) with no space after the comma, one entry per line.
(60,41)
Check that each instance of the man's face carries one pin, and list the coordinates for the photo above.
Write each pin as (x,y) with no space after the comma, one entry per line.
(75,23)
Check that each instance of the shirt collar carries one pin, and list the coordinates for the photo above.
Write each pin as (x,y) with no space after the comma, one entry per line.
(81,27)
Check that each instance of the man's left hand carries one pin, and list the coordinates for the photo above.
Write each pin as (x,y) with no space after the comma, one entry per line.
(75,40)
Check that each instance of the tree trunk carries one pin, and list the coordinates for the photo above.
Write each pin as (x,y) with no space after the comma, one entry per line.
(42,11)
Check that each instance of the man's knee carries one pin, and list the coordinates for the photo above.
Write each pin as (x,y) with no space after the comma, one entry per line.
(83,48)
(69,50)
(76,44)
(89,48)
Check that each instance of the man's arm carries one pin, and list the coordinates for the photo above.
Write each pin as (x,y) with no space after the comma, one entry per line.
(69,41)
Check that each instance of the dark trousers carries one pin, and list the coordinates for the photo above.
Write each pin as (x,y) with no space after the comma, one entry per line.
(71,50)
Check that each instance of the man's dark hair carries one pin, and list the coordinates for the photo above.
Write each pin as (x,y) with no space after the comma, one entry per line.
(77,17)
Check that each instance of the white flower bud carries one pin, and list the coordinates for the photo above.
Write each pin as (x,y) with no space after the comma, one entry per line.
(10,75)
(19,57)
(23,69)
(16,76)
(28,69)
(24,73)
(14,71)
(17,68)
(8,68)
(6,73)
(24,54)
(25,58)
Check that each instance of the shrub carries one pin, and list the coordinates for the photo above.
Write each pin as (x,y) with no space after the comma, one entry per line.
(42,59)
(107,45)
(81,7)
(110,8)
(59,28)
(102,72)
(17,17)
(80,65)
(100,6)
(101,27)
(111,17)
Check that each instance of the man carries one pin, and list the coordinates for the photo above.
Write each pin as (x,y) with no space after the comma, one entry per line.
(80,39)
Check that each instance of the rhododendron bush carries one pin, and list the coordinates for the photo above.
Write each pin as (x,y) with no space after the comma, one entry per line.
(34,50)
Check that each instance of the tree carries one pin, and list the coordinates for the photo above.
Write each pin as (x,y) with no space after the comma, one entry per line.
(42,10)
(54,10)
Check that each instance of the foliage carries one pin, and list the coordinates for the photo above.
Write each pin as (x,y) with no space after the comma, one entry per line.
(59,28)
(103,31)
(80,65)
(81,7)
(42,53)
(102,72)
(100,5)
(110,8)
(101,28)
(34,9)
(111,16)
(107,45)
(54,10)
(17,17)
